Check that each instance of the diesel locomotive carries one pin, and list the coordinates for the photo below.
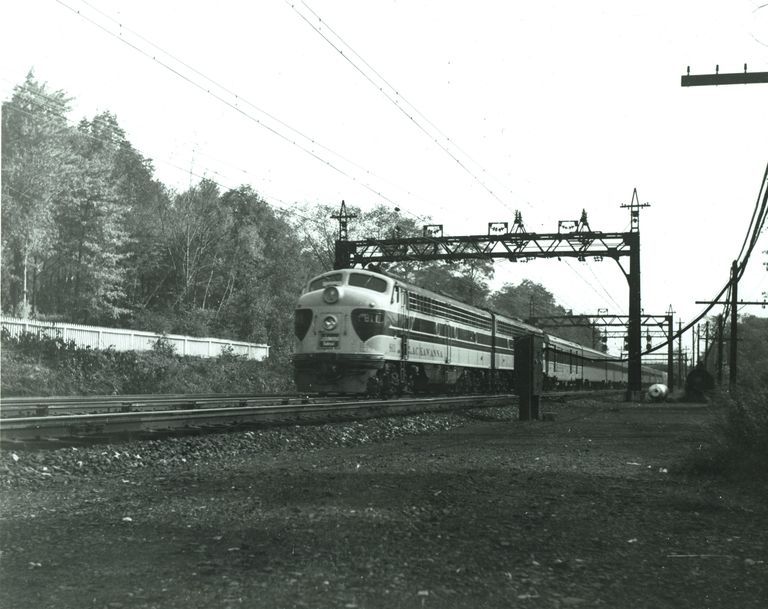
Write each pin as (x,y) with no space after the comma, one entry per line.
(362,332)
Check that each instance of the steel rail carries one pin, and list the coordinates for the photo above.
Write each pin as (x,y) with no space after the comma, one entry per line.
(79,399)
(108,424)
(190,402)
(43,406)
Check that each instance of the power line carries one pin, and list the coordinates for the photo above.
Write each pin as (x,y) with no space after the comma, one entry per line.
(240,99)
(394,101)
(396,95)
(266,197)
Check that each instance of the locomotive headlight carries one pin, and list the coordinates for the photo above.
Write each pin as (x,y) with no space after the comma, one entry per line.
(330,295)
(329,323)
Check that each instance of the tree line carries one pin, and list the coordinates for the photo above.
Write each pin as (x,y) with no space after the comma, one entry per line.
(90,236)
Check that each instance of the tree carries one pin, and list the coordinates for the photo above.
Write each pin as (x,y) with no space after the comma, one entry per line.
(145,201)
(260,271)
(87,279)
(466,281)
(36,158)
(529,300)
(193,226)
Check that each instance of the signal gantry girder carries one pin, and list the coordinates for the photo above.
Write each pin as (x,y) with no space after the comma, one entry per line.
(574,239)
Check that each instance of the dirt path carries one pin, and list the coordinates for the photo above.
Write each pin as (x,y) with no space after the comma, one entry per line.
(591,510)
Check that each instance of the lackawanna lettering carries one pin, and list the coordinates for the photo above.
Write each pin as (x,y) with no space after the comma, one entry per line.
(422,351)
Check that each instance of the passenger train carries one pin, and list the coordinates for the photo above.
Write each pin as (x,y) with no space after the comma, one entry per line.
(364,332)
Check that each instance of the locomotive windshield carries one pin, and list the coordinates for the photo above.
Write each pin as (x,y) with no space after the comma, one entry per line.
(321,282)
(371,282)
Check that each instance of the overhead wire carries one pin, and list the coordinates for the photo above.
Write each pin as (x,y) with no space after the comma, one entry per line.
(261,123)
(394,95)
(239,97)
(389,97)
(234,106)
(753,233)
(275,202)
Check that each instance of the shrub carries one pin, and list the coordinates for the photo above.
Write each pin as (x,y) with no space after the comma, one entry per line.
(34,365)
(739,440)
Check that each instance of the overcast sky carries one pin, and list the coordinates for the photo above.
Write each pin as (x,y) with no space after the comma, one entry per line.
(463,111)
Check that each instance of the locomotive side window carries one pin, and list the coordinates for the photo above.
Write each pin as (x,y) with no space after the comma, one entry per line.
(370,282)
(320,282)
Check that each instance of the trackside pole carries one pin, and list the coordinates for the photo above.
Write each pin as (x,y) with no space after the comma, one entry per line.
(529,378)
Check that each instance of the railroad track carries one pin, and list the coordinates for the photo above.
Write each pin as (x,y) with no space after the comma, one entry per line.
(15,407)
(58,421)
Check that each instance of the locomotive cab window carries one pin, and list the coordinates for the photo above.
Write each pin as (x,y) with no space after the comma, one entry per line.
(321,282)
(370,282)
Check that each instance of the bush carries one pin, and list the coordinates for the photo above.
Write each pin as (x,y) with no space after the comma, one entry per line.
(34,365)
(739,442)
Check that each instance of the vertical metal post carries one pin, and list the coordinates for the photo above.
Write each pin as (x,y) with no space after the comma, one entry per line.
(720,329)
(343,248)
(734,324)
(681,370)
(706,344)
(528,375)
(634,376)
(670,354)
(693,346)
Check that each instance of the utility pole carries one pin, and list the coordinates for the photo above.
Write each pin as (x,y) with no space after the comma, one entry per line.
(706,340)
(670,349)
(728,79)
(693,345)
(719,349)
(681,373)
(732,365)
(634,379)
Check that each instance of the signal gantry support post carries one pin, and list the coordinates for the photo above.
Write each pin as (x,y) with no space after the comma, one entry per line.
(574,239)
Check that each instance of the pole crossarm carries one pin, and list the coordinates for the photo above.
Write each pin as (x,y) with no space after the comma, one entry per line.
(751,303)
(512,246)
(734,78)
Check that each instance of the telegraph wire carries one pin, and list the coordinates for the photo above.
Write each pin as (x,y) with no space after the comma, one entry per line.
(399,95)
(283,206)
(53,107)
(755,214)
(753,234)
(234,106)
(403,111)
(395,90)
(231,105)
(255,107)
(398,106)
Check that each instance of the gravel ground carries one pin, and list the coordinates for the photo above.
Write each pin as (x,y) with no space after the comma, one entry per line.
(475,509)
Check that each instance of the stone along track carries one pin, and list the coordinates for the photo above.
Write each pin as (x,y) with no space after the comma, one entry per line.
(111,418)
(444,510)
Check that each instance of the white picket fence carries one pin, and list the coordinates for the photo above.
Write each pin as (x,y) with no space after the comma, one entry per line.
(131,340)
